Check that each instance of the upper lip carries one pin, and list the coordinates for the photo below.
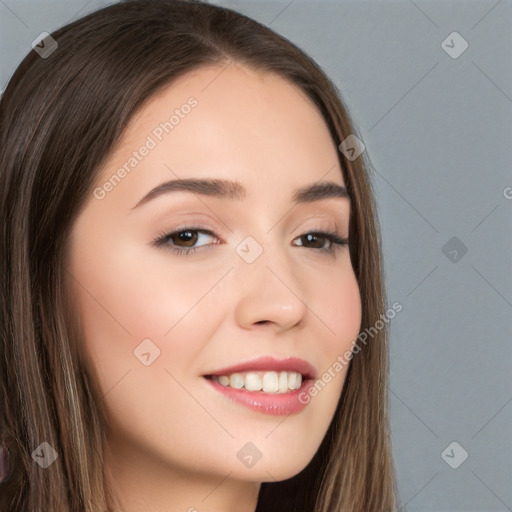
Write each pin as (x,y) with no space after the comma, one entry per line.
(290,364)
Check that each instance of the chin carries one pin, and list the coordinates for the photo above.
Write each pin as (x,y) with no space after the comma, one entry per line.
(277,472)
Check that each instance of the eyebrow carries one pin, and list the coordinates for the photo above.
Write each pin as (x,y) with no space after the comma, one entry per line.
(234,190)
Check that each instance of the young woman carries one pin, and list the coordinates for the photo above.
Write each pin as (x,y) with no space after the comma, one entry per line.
(189,249)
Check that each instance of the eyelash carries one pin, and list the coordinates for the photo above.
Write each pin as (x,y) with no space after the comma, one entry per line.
(161,240)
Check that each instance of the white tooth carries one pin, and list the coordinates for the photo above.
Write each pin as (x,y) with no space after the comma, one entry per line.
(236,381)
(294,380)
(252,382)
(283,382)
(224,380)
(270,382)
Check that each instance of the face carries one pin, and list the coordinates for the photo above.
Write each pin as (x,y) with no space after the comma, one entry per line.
(251,280)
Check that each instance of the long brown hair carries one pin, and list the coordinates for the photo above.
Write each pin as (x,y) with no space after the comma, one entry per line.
(61,116)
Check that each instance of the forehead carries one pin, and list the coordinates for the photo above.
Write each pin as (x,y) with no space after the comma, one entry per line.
(245,124)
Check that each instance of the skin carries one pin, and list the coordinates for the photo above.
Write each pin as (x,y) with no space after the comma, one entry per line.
(172,438)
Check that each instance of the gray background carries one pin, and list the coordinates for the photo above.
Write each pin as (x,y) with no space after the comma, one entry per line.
(438,132)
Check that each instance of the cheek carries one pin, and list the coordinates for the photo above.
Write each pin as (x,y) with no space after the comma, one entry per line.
(336,313)
(125,296)
(350,308)
(335,304)
(115,306)
(122,306)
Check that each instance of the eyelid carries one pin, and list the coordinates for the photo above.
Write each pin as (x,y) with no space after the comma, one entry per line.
(333,226)
(165,234)
(332,222)
(332,235)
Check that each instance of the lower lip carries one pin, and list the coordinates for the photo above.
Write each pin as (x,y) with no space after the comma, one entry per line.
(274,404)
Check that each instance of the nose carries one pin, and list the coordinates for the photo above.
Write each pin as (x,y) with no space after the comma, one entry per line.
(268,291)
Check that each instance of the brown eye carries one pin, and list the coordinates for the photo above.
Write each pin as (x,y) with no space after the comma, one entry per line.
(185,239)
(189,238)
(317,241)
